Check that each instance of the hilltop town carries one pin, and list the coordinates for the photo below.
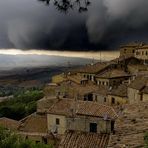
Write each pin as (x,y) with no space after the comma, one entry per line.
(98,105)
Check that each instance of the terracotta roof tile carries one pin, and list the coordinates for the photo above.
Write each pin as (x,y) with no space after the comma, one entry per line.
(87,108)
(138,83)
(120,91)
(113,73)
(95,68)
(34,123)
(84,140)
(9,123)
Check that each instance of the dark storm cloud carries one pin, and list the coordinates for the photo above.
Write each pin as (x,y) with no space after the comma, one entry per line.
(30,24)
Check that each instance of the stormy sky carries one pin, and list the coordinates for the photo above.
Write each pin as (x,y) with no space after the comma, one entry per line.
(31,24)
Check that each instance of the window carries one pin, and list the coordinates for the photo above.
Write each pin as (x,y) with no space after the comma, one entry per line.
(133,51)
(104,99)
(113,100)
(96,97)
(57,121)
(93,127)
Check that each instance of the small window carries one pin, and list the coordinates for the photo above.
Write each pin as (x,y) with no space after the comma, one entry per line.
(113,100)
(96,97)
(57,121)
(133,51)
(104,99)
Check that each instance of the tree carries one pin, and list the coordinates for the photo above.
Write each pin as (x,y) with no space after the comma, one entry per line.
(146,139)
(66,5)
(10,139)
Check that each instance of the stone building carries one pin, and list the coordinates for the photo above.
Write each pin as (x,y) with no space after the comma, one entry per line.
(34,127)
(100,95)
(136,89)
(112,78)
(138,50)
(145,93)
(83,116)
(129,49)
(89,71)
(142,53)
(118,96)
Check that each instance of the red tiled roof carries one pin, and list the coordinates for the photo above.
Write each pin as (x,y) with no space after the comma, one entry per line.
(84,140)
(9,123)
(34,123)
(95,68)
(120,91)
(94,109)
(139,83)
(86,108)
(113,73)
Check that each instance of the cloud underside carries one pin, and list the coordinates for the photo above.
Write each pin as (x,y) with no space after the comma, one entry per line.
(106,24)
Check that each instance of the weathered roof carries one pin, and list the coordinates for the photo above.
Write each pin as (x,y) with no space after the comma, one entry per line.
(77,89)
(95,68)
(86,108)
(121,91)
(113,73)
(138,83)
(102,90)
(34,123)
(76,78)
(84,140)
(9,123)
(122,58)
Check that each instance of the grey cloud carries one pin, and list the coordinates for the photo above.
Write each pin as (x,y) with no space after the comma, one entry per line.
(30,24)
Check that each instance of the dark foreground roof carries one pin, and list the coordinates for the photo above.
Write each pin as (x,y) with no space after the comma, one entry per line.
(84,140)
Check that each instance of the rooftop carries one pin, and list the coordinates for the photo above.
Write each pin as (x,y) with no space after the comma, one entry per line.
(95,68)
(138,83)
(130,126)
(121,91)
(113,73)
(34,123)
(84,140)
(85,108)
(102,90)
(76,78)
(9,123)
(77,88)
